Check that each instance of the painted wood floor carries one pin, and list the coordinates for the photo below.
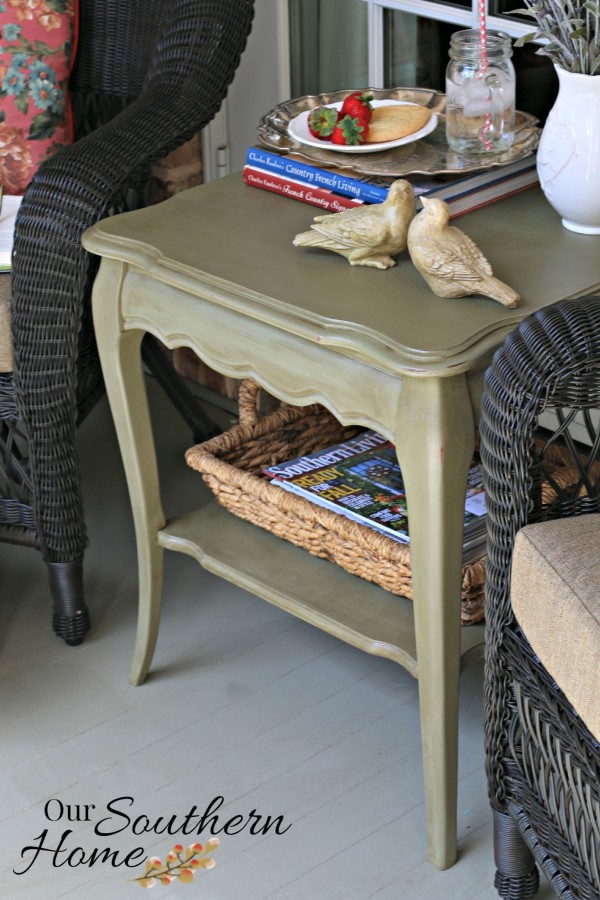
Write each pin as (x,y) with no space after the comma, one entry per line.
(313,745)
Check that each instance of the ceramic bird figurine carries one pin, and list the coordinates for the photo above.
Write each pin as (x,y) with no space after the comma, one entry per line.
(449,261)
(369,235)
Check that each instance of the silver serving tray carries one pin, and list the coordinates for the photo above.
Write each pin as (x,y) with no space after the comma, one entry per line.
(428,156)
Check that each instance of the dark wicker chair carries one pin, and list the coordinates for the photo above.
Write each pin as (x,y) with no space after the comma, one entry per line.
(543,764)
(149,74)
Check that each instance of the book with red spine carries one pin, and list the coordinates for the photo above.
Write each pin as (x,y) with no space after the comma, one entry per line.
(463,194)
(325,199)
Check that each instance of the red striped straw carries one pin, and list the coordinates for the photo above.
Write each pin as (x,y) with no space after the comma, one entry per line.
(483,48)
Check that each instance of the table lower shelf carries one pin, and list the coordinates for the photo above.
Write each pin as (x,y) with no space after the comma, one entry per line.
(315,590)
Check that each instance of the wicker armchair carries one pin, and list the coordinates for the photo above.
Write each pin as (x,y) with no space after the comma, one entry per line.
(149,74)
(543,761)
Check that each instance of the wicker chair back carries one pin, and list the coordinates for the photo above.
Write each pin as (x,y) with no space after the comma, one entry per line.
(149,74)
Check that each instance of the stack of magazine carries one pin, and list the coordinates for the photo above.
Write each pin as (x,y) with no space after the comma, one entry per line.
(361,479)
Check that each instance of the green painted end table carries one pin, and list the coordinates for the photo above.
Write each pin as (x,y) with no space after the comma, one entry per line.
(214,269)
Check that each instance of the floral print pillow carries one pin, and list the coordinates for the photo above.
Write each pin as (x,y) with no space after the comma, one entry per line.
(37,42)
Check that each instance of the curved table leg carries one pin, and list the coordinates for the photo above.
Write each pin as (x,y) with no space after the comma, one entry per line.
(122,369)
(435,440)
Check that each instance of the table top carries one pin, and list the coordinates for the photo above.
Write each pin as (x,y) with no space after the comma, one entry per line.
(233,242)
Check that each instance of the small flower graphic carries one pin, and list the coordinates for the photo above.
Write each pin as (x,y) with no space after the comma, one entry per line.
(49,19)
(11,32)
(15,160)
(24,9)
(13,82)
(40,69)
(45,95)
(180,864)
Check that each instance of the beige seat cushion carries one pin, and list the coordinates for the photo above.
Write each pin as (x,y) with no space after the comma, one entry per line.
(6,354)
(555,591)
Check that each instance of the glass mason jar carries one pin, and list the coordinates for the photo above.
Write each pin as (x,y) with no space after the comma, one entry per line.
(480,93)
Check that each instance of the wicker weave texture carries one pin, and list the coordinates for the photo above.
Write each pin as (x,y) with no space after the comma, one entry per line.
(148,75)
(543,765)
(182,56)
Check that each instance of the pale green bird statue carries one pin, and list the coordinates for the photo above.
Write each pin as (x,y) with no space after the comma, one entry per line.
(449,261)
(369,235)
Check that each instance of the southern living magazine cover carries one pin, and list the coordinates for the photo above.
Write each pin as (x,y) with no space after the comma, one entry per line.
(361,479)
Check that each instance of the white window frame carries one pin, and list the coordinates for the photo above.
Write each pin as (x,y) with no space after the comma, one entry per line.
(224,139)
(442,12)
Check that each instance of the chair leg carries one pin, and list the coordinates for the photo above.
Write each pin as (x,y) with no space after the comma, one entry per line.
(517,876)
(71,619)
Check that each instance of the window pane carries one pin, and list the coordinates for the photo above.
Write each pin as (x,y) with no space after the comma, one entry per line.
(416,50)
(329,52)
(537,82)
(504,7)
(328,45)
(416,55)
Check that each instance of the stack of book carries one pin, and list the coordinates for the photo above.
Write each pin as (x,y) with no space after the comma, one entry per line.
(361,479)
(334,190)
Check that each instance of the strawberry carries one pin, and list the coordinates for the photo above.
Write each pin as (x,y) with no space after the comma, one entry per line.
(321,122)
(358,105)
(349,130)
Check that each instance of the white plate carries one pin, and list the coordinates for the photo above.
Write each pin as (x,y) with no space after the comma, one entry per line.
(298,130)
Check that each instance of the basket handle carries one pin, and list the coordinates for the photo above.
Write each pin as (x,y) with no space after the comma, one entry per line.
(247,401)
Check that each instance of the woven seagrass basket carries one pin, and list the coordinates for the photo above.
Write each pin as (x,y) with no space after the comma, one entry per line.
(232,463)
